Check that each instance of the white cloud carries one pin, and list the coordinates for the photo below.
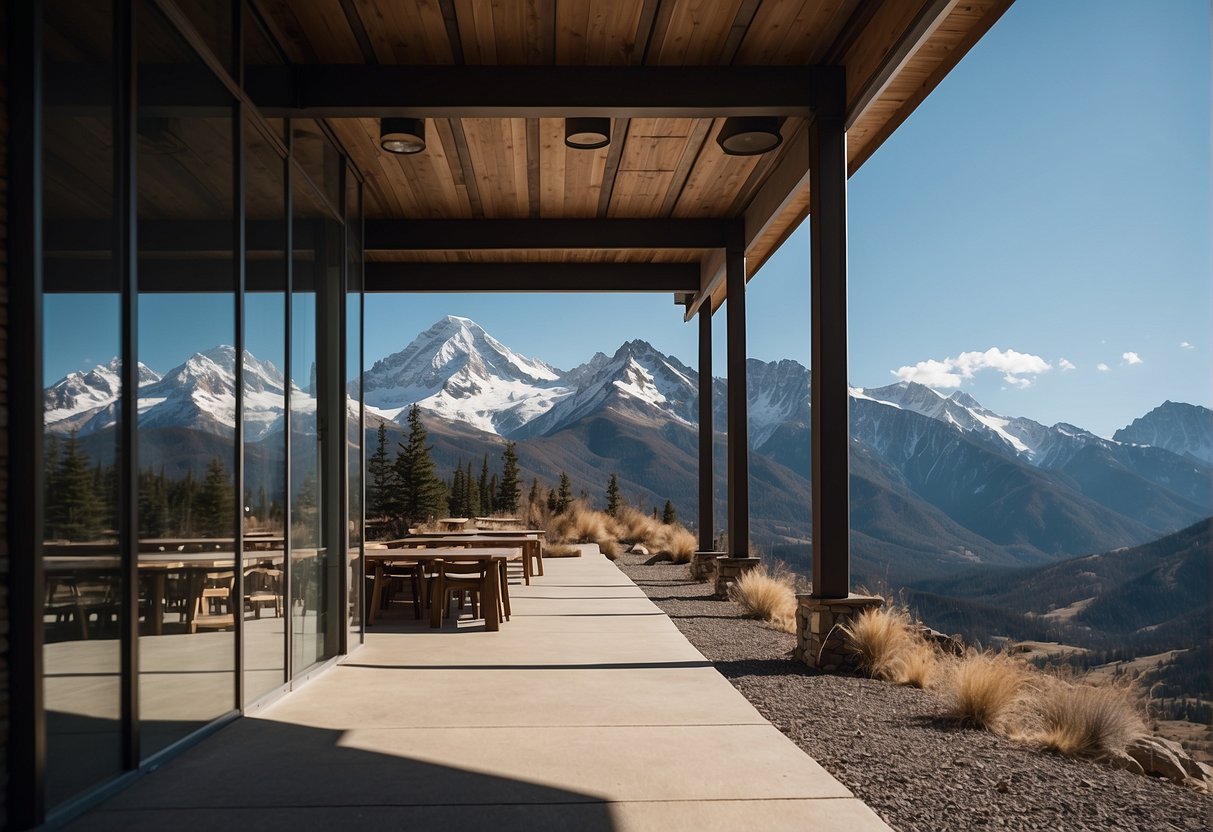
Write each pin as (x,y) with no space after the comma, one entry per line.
(1017,368)
(1065,364)
(1102,367)
(1185,345)
(1131,358)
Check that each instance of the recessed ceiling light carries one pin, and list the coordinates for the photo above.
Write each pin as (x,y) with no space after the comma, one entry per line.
(750,135)
(587,133)
(402,135)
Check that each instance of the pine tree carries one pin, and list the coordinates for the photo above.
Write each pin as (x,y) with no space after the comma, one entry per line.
(52,495)
(564,497)
(77,495)
(381,491)
(669,516)
(494,493)
(553,505)
(612,495)
(457,503)
(507,496)
(473,493)
(422,491)
(215,501)
(535,497)
(486,496)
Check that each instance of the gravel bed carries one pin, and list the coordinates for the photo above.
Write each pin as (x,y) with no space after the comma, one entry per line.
(893,747)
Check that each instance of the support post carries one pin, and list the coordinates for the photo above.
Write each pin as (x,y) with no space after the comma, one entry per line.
(738,448)
(706,490)
(829,393)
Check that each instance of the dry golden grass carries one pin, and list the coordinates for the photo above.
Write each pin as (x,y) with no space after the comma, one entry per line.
(1083,720)
(675,541)
(561,550)
(767,597)
(918,666)
(634,526)
(610,547)
(881,639)
(580,524)
(986,689)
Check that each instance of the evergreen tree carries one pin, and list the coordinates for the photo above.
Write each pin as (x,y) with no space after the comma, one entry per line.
(153,505)
(381,492)
(507,496)
(564,497)
(669,516)
(486,496)
(612,495)
(473,493)
(422,491)
(457,503)
(77,509)
(494,494)
(536,496)
(553,505)
(52,496)
(215,501)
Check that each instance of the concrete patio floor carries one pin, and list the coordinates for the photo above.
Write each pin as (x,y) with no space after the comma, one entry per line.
(587,711)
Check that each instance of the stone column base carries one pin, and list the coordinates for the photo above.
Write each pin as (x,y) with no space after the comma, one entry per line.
(730,569)
(703,565)
(819,641)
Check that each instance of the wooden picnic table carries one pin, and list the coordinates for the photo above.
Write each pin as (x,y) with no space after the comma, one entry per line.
(498,585)
(530,543)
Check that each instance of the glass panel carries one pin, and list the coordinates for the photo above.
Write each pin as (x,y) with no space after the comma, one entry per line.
(353,374)
(260,53)
(188,506)
(319,159)
(213,20)
(82,320)
(312,561)
(264,417)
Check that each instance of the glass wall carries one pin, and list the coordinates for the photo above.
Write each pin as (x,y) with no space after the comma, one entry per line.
(224,544)
(264,414)
(187,277)
(82,321)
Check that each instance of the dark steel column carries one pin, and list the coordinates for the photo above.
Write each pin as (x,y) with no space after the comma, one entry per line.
(26,749)
(706,490)
(829,397)
(739,467)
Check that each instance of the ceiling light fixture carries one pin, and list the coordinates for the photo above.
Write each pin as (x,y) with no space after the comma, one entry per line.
(750,135)
(587,133)
(402,135)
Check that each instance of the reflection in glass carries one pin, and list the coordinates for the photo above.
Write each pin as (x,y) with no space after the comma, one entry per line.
(316,269)
(81,318)
(353,374)
(186,453)
(264,417)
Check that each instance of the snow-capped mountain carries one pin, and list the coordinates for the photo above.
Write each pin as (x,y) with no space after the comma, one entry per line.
(1184,429)
(199,394)
(637,381)
(459,372)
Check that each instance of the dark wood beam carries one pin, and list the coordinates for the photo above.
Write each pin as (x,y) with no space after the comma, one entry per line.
(349,91)
(829,396)
(531,277)
(457,235)
(738,428)
(707,480)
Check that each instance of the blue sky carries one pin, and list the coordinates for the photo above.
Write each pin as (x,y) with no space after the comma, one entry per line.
(1050,200)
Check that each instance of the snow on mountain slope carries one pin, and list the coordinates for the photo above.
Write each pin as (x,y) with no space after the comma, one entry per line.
(458,371)
(1184,429)
(637,380)
(83,393)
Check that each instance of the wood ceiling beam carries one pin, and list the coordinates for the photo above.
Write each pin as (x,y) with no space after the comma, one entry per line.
(546,234)
(359,91)
(531,277)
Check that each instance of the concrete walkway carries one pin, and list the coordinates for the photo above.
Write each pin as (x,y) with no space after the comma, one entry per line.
(587,711)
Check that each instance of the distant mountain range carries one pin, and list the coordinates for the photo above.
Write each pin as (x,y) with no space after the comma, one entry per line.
(937,481)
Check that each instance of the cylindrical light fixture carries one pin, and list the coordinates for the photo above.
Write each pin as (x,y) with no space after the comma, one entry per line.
(587,133)
(750,135)
(402,135)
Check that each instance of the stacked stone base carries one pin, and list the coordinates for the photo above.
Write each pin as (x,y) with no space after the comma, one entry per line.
(819,640)
(730,569)
(703,565)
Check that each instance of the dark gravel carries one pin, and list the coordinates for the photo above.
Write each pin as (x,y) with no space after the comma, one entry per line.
(893,747)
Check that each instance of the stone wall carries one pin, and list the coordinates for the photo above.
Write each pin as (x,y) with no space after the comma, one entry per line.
(819,639)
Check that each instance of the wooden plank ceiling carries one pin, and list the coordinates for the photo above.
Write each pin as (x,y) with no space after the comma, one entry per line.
(654,167)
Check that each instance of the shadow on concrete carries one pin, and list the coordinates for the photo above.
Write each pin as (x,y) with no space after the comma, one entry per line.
(266,775)
(593,666)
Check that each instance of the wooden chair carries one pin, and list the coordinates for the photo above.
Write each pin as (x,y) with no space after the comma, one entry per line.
(213,603)
(454,578)
(263,587)
(388,578)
